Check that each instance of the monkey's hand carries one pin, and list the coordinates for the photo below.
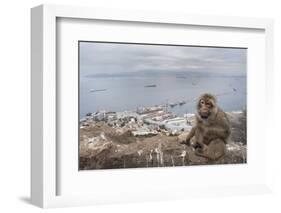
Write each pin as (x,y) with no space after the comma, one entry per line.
(201,148)
(186,142)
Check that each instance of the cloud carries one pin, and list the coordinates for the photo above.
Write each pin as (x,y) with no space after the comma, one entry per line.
(114,58)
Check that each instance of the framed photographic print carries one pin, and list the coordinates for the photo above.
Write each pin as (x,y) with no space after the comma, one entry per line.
(149,106)
(138,104)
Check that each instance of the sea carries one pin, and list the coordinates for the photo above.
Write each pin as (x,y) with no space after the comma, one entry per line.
(127,93)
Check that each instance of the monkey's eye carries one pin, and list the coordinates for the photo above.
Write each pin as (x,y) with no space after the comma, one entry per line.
(202,102)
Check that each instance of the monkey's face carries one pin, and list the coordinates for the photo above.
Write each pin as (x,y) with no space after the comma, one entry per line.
(206,106)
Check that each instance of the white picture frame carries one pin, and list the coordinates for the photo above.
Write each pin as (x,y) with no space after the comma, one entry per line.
(44,153)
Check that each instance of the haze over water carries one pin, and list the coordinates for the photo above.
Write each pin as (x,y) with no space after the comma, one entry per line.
(179,73)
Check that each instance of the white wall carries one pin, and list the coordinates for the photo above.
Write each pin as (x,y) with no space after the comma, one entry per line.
(15,89)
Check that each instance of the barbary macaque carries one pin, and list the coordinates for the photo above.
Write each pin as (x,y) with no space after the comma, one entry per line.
(211,130)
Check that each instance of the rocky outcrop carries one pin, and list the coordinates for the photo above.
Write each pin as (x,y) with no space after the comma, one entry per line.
(103,147)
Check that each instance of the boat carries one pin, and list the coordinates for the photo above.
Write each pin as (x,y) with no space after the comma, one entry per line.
(182,103)
(97,90)
(173,104)
(150,85)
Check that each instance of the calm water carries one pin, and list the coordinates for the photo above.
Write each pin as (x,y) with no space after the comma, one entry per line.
(128,93)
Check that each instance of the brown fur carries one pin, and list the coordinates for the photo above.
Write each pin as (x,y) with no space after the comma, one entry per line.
(212,129)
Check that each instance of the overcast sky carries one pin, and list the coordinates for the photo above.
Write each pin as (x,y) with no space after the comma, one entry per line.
(112,58)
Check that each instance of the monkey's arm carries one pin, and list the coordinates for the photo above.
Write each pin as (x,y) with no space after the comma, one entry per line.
(189,136)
